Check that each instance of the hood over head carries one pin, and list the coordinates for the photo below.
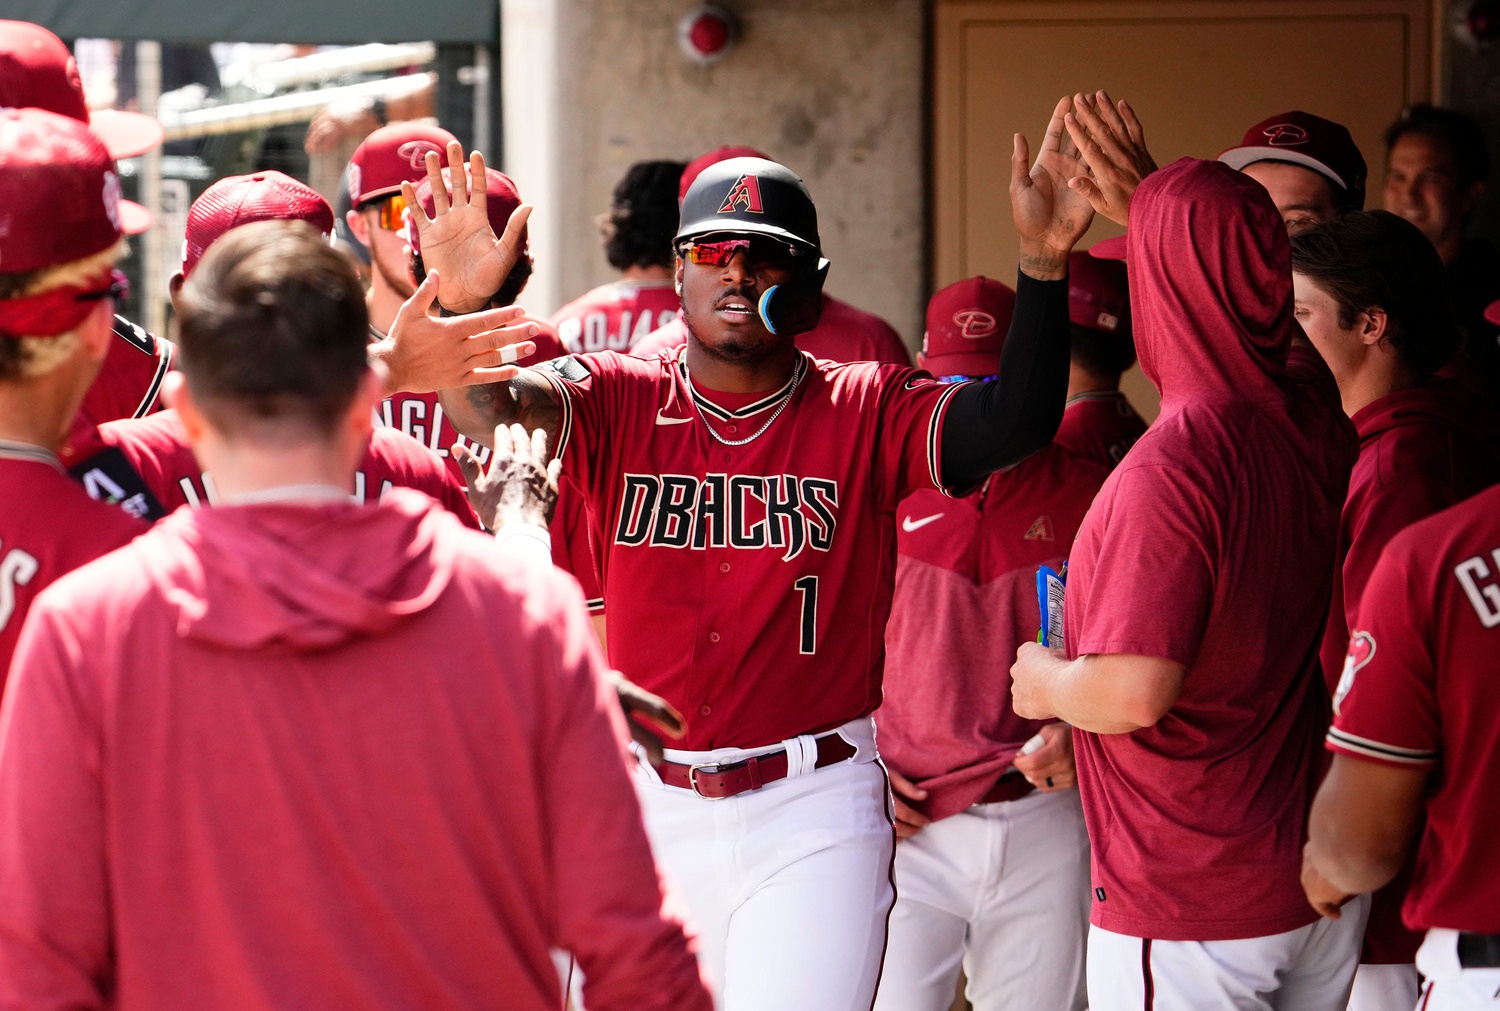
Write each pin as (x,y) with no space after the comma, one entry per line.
(304,576)
(1210,284)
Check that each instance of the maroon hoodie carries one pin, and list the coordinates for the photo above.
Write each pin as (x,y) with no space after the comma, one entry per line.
(1210,546)
(321,755)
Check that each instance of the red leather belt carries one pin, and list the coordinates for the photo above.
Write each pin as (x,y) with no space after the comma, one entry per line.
(1011,786)
(715,782)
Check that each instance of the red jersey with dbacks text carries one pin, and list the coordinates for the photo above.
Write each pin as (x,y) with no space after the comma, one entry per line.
(48,528)
(965,601)
(844,334)
(615,317)
(158,450)
(1420,691)
(1100,426)
(128,386)
(749,585)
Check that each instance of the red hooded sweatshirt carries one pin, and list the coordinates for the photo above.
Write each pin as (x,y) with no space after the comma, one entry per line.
(1211,546)
(321,755)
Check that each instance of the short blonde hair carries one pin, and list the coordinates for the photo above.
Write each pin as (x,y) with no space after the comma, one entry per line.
(29,356)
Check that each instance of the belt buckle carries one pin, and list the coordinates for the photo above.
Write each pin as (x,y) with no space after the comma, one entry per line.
(693,778)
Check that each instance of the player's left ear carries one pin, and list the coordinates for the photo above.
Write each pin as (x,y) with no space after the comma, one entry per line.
(360,418)
(1376,325)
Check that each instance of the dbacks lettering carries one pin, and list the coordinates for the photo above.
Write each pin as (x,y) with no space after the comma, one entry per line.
(744,511)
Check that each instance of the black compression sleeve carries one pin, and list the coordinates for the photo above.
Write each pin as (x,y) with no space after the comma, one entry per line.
(996,424)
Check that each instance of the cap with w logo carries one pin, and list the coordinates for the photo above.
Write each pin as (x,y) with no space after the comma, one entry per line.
(750,196)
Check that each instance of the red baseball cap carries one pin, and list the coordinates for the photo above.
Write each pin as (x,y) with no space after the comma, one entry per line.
(239,200)
(501,200)
(38,72)
(392,155)
(1300,138)
(1098,296)
(966,327)
(59,193)
(713,157)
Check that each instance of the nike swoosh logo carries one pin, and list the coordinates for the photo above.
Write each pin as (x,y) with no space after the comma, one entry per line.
(910,525)
(662,419)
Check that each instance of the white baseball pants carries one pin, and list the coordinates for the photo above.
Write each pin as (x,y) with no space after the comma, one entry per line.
(1451,987)
(789,886)
(1384,988)
(1308,969)
(1001,889)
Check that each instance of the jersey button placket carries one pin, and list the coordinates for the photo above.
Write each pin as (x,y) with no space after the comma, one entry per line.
(714,637)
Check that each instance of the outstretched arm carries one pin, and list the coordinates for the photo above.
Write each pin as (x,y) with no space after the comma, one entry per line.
(527,400)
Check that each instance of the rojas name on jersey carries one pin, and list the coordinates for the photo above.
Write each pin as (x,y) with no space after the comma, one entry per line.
(751,512)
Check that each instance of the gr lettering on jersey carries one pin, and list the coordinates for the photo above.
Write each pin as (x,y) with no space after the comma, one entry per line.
(200,491)
(17,568)
(742,511)
(429,432)
(1479,581)
(591,331)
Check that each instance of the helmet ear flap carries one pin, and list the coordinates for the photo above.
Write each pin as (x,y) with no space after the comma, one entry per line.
(797,305)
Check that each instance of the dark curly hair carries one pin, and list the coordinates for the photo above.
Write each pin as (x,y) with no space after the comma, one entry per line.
(643,216)
(1375,259)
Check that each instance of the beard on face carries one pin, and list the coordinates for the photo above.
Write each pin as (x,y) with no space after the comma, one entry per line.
(397,280)
(749,345)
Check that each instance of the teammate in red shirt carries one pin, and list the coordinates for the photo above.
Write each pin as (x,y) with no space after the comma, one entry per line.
(60,236)
(1370,297)
(842,334)
(1099,424)
(1414,735)
(744,501)
(638,243)
(373,755)
(965,597)
(1197,594)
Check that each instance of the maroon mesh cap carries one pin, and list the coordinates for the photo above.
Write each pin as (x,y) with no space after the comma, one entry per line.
(59,193)
(37,71)
(718,154)
(1098,297)
(966,327)
(501,200)
(391,156)
(239,200)
(1300,138)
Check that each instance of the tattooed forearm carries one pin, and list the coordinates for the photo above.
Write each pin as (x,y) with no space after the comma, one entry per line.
(476,410)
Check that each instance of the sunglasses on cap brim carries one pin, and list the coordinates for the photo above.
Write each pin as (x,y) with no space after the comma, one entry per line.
(759,250)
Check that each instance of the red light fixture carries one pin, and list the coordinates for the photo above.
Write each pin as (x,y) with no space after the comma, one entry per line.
(707,32)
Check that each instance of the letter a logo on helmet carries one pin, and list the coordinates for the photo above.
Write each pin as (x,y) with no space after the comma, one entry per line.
(745,191)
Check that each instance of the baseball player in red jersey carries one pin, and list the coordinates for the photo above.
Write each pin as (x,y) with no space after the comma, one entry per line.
(1414,735)
(1370,297)
(744,497)
(842,334)
(60,235)
(638,243)
(37,71)
(158,462)
(991,874)
(1197,594)
(1098,423)
(372,753)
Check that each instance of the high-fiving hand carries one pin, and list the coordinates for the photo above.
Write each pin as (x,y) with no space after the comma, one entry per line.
(1113,145)
(1049,214)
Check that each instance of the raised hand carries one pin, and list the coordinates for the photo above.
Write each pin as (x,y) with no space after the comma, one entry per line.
(425,353)
(1050,216)
(1113,145)
(520,484)
(457,240)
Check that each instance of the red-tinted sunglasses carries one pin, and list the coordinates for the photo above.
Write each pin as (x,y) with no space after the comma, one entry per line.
(760,251)
(392,211)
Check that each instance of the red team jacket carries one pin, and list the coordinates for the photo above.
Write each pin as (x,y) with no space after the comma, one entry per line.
(844,334)
(48,527)
(965,600)
(616,317)
(1202,548)
(211,726)
(724,566)
(1419,691)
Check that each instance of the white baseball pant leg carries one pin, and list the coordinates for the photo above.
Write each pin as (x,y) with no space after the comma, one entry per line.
(1001,889)
(1308,969)
(1451,987)
(789,887)
(1384,988)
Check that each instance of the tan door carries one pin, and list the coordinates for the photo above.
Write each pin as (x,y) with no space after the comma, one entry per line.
(1198,73)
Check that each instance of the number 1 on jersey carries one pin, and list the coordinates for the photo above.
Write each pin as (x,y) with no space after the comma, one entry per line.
(808,587)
